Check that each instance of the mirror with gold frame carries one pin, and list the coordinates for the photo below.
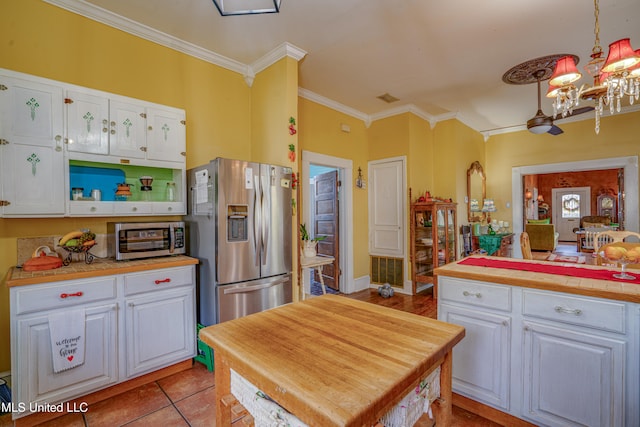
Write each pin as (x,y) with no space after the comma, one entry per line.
(476,191)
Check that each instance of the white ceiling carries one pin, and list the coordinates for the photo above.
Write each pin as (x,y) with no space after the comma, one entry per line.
(440,58)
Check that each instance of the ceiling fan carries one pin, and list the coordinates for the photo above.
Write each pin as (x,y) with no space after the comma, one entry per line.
(535,71)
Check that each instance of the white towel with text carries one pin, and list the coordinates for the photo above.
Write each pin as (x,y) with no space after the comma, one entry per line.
(67,330)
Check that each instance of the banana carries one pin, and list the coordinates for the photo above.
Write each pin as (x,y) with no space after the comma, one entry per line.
(71,235)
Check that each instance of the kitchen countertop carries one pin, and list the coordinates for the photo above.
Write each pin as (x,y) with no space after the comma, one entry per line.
(99,267)
(609,289)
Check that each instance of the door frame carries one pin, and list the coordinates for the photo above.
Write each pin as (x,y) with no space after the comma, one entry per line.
(629,164)
(345,211)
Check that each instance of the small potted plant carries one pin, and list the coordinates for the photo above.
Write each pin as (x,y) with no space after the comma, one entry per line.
(309,244)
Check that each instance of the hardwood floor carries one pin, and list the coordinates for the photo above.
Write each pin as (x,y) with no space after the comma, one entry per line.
(423,304)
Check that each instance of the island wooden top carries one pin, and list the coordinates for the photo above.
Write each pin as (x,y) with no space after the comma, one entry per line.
(332,360)
(552,282)
(99,267)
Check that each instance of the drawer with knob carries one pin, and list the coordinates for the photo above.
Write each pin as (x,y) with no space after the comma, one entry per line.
(577,310)
(64,294)
(481,294)
(136,283)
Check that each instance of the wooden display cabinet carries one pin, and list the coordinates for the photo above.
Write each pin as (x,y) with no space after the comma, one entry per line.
(433,240)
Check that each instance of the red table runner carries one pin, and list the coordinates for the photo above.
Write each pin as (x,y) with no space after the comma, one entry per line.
(574,271)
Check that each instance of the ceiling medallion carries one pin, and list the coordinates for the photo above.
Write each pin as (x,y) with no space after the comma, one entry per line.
(530,71)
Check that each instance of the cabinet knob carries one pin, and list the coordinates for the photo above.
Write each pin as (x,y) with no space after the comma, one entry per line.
(169,208)
(134,209)
(150,128)
(113,132)
(93,209)
(105,122)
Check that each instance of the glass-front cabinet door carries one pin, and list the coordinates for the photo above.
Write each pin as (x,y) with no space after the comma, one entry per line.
(433,240)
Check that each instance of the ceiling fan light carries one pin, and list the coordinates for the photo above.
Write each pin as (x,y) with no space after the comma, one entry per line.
(540,129)
(621,56)
(565,72)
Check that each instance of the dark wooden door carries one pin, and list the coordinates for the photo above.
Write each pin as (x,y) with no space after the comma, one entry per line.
(326,223)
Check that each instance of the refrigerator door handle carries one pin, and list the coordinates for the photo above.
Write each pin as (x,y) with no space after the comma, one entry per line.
(257,218)
(266,219)
(244,289)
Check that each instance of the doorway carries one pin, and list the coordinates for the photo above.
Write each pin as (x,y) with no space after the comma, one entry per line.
(320,162)
(573,203)
(325,220)
(629,164)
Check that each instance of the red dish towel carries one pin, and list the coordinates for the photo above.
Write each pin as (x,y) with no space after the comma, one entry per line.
(563,270)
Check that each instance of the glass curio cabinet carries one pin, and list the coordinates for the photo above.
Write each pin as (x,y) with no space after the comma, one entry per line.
(433,240)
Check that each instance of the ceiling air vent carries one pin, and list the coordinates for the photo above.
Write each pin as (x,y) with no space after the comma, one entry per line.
(388,98)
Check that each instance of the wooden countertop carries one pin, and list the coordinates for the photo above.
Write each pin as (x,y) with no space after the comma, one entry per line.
(552,282)
(331,360)
(99,267)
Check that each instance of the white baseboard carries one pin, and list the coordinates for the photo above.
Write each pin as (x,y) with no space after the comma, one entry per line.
(361,283)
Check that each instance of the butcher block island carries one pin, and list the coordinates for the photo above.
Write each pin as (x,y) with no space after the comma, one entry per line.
(332,360)
(81,329)
(554,344)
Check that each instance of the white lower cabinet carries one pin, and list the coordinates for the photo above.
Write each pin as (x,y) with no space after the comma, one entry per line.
(135,323)
(481,360)
(155,338)
(38,383)
(553,359)
(572,378)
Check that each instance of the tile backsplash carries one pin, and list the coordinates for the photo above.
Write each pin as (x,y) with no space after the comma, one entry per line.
(28,245)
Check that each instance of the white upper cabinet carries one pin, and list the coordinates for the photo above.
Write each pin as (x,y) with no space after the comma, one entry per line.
(32,169)
(128,130)
(166,135)
(87,123)
(46,126)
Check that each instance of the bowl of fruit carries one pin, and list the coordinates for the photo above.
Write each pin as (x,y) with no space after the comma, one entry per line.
(78,241)
(622,253)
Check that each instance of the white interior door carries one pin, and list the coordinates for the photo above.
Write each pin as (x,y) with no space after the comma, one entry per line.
(569,205)
(387,207)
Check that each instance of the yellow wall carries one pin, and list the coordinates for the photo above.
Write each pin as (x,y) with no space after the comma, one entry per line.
(320,132)
(43,40)
(619,136)
(227,118)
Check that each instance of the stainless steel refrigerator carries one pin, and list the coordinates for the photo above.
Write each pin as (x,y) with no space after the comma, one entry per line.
(239,227)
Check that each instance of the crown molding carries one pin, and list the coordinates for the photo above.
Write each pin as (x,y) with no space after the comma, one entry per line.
(249,72)
(319,99)
(270,58)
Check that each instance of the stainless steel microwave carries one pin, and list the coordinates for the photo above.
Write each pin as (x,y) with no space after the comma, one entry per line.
(134,240)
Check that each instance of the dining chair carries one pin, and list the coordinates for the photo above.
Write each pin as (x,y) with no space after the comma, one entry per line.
(611,236)
(525,245)
(588,237)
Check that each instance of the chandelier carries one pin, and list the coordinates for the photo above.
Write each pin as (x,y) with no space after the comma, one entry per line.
(615,78)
